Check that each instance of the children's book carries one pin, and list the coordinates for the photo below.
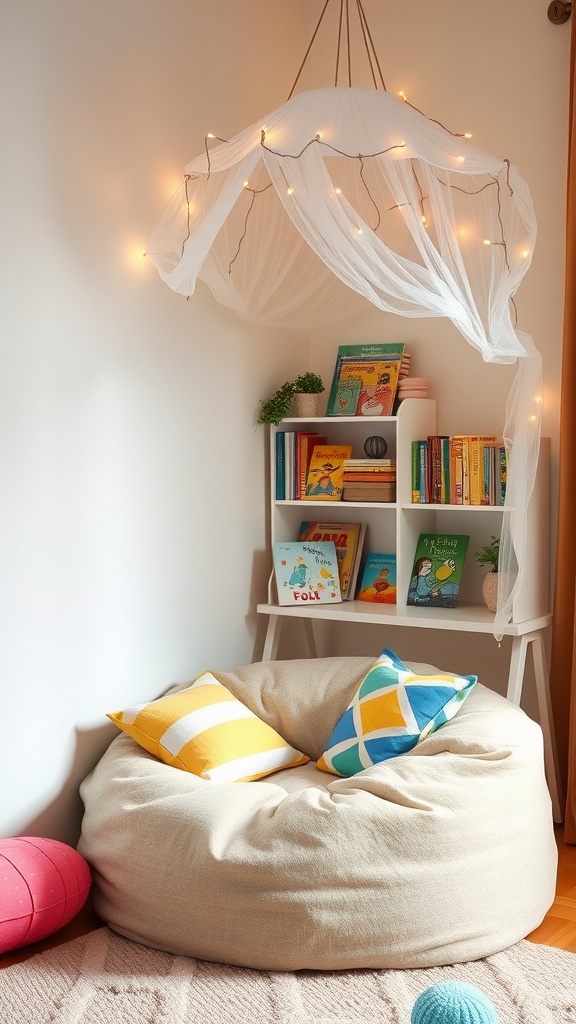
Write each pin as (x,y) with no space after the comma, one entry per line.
(347,398)
(326,472)
(305,443)
(378,383)
(437,570)
(348,538)
(306,572)
(347,395)
(378,582)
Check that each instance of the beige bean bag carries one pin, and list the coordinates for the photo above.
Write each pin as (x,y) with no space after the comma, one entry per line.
(441,855)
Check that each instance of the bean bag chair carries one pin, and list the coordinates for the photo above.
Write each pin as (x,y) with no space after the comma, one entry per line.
(439,854)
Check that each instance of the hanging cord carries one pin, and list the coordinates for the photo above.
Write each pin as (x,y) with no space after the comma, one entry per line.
(344,30)
(348,45)
(338,44)
(309,48)
(368,37)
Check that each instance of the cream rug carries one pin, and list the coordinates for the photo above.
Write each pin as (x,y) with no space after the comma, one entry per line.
(104,979)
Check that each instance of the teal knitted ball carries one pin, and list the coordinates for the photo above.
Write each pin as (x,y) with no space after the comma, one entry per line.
(453,1002)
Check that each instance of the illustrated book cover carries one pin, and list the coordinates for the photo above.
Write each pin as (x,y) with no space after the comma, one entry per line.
(325,477)
(347,394)
(365,380)
(348,539)
(437,570)
(306,572)
(378,384)
(378,582)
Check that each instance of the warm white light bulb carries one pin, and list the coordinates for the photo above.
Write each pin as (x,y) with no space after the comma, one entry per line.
(290,191)
(525,253)
(209,136)
(460,159)
(467,135)
(487,241)
(423,218)
(135,255)
(245,184)
(402,95)
(338,191)
(538,399)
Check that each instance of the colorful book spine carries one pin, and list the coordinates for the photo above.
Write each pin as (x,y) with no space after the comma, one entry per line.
(465,473)
(445,459)
(434,468)
(416,472)
(489,466)
(280,467)
(423,473)
(289,464)
(476,469)
(501,482)
(456,492)
(304,442)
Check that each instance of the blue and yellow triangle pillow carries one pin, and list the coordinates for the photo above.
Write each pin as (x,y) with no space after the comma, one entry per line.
(392,710)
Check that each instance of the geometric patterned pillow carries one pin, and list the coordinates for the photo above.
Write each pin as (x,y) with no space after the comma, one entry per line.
(391,712)
(205,730)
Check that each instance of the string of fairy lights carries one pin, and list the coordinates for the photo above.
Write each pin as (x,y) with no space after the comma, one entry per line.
(361,158)
(343,46)
(497,182)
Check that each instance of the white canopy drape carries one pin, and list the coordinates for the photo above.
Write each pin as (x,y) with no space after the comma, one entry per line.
(344,193)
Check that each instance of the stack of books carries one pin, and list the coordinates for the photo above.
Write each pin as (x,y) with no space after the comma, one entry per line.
(465,469)
(365,379)
(369,480)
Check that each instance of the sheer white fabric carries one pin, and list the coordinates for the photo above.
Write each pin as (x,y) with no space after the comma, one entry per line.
(344,195)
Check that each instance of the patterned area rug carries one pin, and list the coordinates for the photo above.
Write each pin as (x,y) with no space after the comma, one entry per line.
(104,979)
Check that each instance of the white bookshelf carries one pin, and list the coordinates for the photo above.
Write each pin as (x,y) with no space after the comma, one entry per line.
(396,526)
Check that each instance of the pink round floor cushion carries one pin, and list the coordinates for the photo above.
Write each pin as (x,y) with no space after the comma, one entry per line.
(43,885)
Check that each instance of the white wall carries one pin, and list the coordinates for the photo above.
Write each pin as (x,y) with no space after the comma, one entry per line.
(132,523)
(499,71)
(132,519)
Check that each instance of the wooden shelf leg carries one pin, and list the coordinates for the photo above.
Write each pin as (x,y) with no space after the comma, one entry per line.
(514,694)
(272,638)
(542,681)
(309,640)
(517,666)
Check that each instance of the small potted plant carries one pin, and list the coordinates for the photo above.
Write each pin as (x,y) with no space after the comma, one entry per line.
(488,556)
(275,408)
(307,388)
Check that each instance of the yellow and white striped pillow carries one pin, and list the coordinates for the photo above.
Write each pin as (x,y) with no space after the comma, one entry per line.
(205,730)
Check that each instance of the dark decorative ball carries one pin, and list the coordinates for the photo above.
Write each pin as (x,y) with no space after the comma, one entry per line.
(375,447)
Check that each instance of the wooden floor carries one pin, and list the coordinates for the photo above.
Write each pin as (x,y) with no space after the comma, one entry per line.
(557,929)
(559,926)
